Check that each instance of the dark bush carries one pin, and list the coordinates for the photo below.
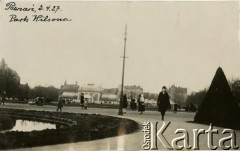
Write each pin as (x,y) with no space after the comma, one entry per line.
(218,106)
(79,127)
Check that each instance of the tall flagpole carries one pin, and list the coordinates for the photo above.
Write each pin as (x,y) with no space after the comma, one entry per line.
(120,112)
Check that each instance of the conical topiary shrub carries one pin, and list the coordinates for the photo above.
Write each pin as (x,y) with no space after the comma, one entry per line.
(219,107)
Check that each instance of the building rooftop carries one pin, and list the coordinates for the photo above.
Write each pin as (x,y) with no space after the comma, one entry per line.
(69,87)
(132,87)
(69,95)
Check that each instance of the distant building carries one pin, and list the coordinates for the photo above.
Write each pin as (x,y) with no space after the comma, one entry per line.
(109,98)
(72,92)
(178,94)
(69,91)
(91,92)
(150,102)
(110,91)
(130,91)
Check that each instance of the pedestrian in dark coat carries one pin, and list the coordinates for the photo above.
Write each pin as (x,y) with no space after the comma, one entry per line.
(125,103)
(141,105)
(175,108)
(163,102)
(60,105)
(3,99)
(82,100)
(133,104)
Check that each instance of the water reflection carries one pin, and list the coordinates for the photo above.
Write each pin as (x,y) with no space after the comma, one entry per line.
(11,124)
(27,126)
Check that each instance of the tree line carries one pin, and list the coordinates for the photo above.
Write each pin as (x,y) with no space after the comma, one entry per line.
(197,97)
(10,86)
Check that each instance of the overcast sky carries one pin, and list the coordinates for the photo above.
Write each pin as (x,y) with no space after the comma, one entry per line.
(181,43)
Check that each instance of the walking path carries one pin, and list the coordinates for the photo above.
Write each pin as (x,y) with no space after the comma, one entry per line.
(129,142)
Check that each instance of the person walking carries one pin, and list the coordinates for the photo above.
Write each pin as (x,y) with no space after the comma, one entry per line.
(175,108)
(0,100)
(125,103)
(141,106)
(86,104)
(133,104)
(82,100)
(163,102)
(3,99)
(60,105)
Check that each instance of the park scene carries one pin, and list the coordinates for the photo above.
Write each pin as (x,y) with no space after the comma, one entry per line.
(122,76)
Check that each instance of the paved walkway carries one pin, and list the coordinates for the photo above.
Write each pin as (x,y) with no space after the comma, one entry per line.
(129,142)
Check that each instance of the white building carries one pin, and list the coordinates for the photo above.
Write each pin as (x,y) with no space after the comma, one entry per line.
(108,98)
(91,92)
(69,91)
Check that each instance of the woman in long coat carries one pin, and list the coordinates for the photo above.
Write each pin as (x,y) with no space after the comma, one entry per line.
(141,106)
(82,100)
(163,102)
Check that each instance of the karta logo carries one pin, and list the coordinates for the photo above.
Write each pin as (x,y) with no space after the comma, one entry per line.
(154,136)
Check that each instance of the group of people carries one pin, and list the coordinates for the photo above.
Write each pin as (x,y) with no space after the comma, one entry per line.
(163,103)
(133,104)
(83,103)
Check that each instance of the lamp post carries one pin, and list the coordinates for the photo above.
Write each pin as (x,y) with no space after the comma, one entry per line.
(120,112)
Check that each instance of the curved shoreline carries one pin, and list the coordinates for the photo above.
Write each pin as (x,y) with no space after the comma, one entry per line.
(80,127)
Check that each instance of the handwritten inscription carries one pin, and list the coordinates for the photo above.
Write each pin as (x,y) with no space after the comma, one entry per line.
(12,6)
(32,15)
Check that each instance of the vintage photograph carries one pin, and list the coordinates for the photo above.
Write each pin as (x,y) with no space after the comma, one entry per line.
(119,75)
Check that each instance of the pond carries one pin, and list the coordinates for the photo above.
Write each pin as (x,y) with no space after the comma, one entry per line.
(11,124)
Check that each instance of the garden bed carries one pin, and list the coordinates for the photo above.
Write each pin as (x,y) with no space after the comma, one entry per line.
(78,127)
